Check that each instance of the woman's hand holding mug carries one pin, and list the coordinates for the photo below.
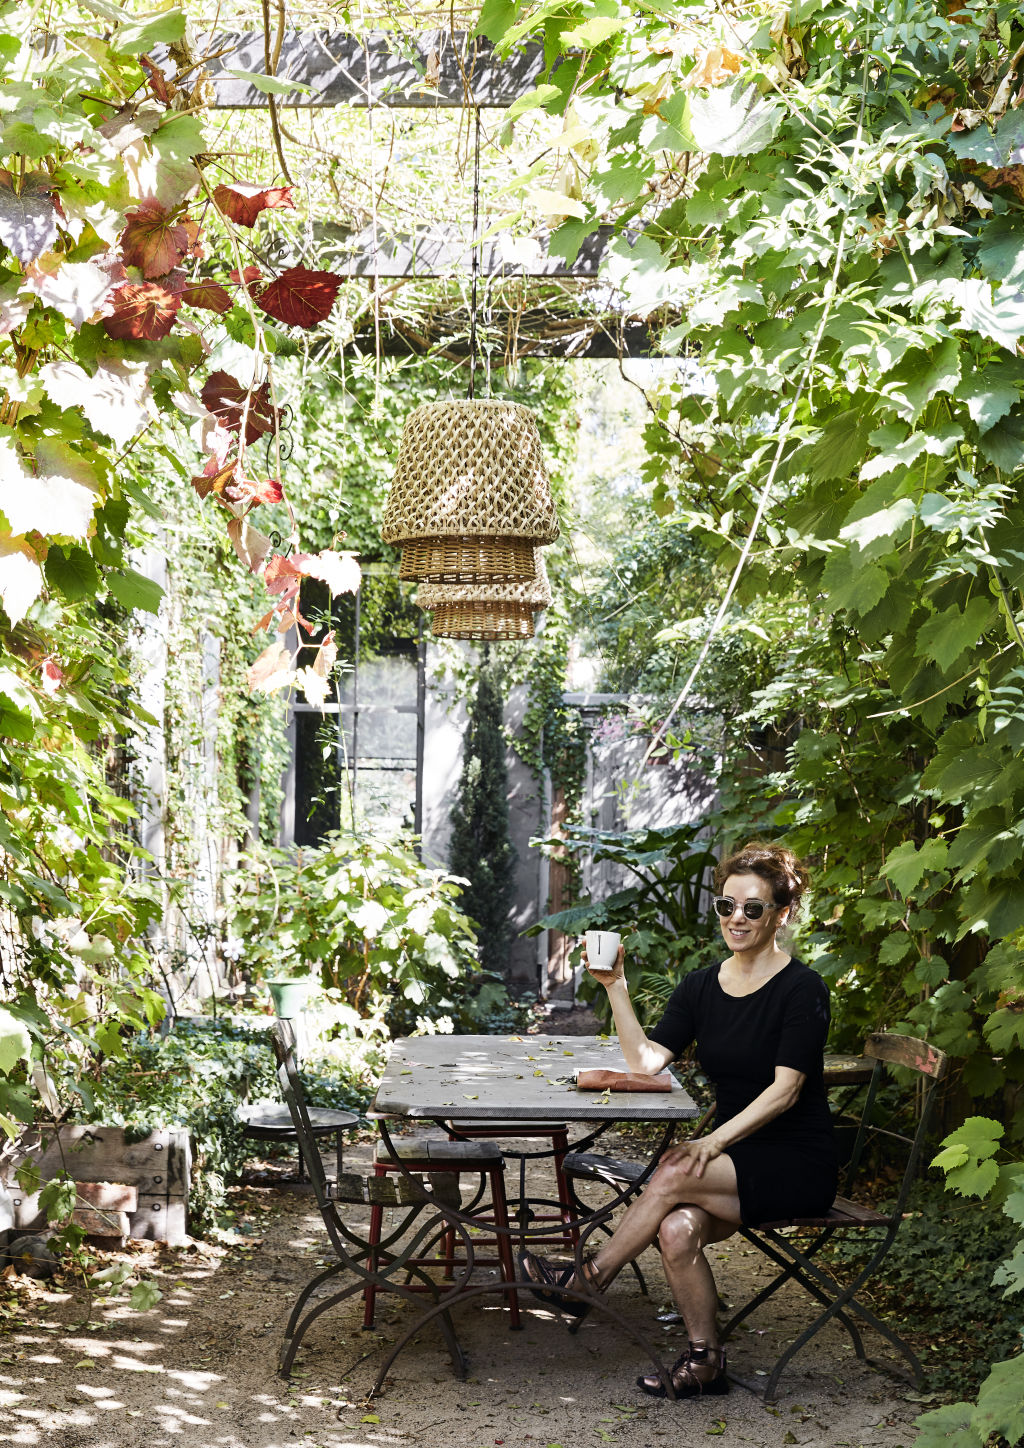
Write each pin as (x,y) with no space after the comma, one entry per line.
(604,956)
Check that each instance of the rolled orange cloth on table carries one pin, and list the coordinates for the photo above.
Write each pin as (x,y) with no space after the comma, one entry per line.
(622,1081)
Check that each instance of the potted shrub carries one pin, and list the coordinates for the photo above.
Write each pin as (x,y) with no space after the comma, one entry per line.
(276,917)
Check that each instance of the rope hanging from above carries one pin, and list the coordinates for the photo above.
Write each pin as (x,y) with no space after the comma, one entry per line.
(487,611)
(470,499)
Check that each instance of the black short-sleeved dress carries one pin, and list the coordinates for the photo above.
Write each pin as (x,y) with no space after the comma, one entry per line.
(789,1167)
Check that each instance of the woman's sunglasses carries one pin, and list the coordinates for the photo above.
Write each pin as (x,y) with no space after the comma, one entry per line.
(752,909)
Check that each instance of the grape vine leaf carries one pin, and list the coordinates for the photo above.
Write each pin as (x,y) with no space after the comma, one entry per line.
(249,543)
(144,1295)
(15,1042)
(138,36)
(76,289)
(732,120)
(1001,147)
(339,571)
(946,635)
(59,500)
(28,217)
(153,241)
(115,400)
(851,583)
(243,204)
(210,296)
(225,397)
(907,866)
(300,297)
(71,571)
(272,669)
(143,311)
(135,590)
(313,685)
(21,578)
(997,314)
(990,394)
(1004,443)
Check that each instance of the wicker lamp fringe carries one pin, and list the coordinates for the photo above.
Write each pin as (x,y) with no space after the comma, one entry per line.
(470,497)
(485,621)
(534,591)
(465,560)
(487,610)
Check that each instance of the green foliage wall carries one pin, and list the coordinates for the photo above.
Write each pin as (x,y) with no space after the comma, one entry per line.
(830,202)
(481,849)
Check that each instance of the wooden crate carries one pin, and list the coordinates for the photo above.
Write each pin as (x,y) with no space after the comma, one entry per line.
(158,1167)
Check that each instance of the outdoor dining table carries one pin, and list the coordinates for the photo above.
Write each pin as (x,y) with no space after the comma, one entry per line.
(453,1081)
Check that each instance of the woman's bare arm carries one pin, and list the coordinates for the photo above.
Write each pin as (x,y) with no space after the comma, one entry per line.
(773,1101)
(640,1053)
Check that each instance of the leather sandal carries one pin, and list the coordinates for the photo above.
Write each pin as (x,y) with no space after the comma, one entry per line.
(699,1373)
(542,1276)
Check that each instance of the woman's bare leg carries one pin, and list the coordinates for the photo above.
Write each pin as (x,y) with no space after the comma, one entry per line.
(684,1235)
(670,1187)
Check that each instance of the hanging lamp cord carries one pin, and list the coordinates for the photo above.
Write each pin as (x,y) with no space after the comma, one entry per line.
(475,263)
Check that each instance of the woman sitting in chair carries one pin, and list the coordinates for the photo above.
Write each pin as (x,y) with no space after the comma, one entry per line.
(759,1020)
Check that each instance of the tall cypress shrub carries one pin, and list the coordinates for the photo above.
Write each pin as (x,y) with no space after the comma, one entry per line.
(481,849)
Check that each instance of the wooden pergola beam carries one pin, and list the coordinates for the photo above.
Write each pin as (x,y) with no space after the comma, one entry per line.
(430,70)
(533,333)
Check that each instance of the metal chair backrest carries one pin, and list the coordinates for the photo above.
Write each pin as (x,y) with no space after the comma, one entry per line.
(887,1049)
(282,1037)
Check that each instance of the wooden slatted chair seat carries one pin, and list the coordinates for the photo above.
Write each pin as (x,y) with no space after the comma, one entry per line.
(398,1191)
(842,1213)
(468,1155)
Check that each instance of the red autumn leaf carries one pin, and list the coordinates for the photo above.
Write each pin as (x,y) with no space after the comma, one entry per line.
(339,571)
(152,241)
(158,82)
(225,397)
(214,477)
(193,231)
(283,577)
(243,204)
(282,573)
(251,492)
(52,675)
(300,297)
(272,669)
(267,491)
(144,310)
(251,274)
(210,296)
(326,656)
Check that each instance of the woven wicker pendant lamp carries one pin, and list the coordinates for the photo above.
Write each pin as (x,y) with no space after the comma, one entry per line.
(470,499)
(487,611)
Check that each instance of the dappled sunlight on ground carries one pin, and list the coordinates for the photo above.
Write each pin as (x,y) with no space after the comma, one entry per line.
(199,1369)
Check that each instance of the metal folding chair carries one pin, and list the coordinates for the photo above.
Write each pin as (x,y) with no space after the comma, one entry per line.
(794,1258)
(398,1249)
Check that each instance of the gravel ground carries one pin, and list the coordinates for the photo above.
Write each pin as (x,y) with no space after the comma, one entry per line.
(199,1369)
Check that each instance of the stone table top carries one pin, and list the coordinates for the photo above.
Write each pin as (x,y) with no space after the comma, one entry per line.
(515,1078)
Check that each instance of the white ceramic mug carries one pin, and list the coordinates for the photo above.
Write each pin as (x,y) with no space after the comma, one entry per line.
(602,948)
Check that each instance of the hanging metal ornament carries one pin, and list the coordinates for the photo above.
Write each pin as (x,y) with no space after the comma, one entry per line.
(486,610)
(470,500)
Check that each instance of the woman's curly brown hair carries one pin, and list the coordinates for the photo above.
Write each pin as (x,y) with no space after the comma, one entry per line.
(785,874)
